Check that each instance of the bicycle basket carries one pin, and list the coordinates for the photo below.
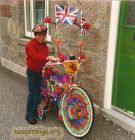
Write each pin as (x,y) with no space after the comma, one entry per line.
(71,66)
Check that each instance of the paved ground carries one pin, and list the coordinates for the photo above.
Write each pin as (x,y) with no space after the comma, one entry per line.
(13,95)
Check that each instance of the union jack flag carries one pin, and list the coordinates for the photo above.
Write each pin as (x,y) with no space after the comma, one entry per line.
(65,14)
(83,30)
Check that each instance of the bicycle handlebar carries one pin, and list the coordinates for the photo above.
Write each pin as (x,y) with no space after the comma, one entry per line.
(56,60)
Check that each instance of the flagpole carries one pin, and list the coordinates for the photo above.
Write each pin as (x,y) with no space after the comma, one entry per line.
(56,29)
(81,34)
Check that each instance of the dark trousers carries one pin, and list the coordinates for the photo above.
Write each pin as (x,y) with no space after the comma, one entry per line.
(34,82)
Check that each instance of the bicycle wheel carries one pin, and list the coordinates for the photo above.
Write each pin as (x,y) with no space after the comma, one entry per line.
(77,112)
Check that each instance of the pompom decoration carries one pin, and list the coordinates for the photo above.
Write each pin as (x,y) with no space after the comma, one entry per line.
(82,56)
(52,82)
(66,78)
(48,71)
(87,26)
(48,20)
(58,89)
(62,56)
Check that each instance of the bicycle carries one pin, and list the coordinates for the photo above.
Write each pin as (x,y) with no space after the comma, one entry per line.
(59,86)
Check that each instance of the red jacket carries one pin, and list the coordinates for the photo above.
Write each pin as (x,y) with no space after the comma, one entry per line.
(36,54)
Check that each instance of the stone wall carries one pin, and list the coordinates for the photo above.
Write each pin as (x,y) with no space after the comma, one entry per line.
(11,29)
(92,77)
(97,12)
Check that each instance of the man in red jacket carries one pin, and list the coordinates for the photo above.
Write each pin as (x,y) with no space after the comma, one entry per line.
(36,54)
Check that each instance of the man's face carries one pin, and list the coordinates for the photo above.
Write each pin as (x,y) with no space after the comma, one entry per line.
(40,37)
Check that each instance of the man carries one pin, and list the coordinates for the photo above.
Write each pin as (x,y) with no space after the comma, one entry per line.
(36,54)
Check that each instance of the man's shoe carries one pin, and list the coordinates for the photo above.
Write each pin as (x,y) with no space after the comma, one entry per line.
(31,120)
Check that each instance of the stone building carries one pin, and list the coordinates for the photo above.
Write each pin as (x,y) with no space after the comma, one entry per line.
(17,17)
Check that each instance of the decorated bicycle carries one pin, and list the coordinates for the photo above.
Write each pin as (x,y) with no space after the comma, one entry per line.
(60,85)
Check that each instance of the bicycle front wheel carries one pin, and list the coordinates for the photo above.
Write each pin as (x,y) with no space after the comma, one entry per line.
(77,112)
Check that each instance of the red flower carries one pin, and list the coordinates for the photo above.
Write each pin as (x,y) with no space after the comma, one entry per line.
(87,26)
(48,20)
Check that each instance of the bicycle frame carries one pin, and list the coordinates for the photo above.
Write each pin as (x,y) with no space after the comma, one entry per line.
(71,68)
(75,107)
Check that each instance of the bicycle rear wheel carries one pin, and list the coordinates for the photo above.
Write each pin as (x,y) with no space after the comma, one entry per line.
(77,112)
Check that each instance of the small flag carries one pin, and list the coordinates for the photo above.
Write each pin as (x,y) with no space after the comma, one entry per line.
(82,23)
(84,26)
